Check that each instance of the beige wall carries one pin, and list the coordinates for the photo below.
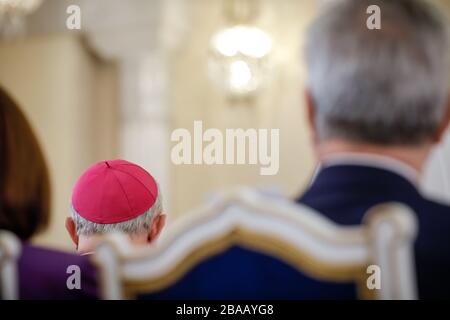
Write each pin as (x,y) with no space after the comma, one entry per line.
(194,97)
(68,95)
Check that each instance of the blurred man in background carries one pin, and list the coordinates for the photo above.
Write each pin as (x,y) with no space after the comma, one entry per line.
(115,196)
(378,101)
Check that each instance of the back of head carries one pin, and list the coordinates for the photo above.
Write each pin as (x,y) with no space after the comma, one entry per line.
(384,86)
(115,196)
(24,180)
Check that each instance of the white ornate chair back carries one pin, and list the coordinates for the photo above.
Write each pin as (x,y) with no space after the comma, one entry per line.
(277,227)
(9,254)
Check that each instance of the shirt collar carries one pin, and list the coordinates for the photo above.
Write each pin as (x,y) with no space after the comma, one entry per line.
(373,160)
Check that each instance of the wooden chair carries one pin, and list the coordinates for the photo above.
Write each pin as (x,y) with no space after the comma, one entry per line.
(276,228)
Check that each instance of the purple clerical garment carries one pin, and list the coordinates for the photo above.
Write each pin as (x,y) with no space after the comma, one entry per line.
(50,274)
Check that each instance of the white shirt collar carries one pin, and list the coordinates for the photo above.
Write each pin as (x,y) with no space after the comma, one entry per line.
(375,161)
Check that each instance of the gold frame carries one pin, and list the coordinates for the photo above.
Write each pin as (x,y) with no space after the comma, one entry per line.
(262,243)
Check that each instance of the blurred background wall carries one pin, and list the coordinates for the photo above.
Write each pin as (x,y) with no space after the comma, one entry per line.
(193,96)
(70,98)
(137,70)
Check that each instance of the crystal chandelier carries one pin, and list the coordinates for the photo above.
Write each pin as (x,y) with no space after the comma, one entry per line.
(12,15)
(239,55)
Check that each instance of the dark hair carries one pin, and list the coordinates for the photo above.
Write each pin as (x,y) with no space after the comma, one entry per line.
(24,179)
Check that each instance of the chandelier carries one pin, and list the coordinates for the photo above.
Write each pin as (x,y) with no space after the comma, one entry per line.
(239,54)
(12,15)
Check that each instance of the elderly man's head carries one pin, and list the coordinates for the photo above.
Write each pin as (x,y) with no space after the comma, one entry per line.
(384,87)
(115,196)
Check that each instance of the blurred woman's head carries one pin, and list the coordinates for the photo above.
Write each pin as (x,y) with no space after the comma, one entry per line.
(24,180)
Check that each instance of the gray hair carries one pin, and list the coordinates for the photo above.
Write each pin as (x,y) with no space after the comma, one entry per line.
(137,225)
(386,86)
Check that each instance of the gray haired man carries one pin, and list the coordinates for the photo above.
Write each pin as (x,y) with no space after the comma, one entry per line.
(378,102)
(115,196)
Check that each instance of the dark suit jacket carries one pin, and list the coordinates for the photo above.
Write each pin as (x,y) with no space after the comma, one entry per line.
(344,193)
(43,275)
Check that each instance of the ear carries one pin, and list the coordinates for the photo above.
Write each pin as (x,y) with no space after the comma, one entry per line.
(72,230)
(158,224)
(439,135)
(311,115)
